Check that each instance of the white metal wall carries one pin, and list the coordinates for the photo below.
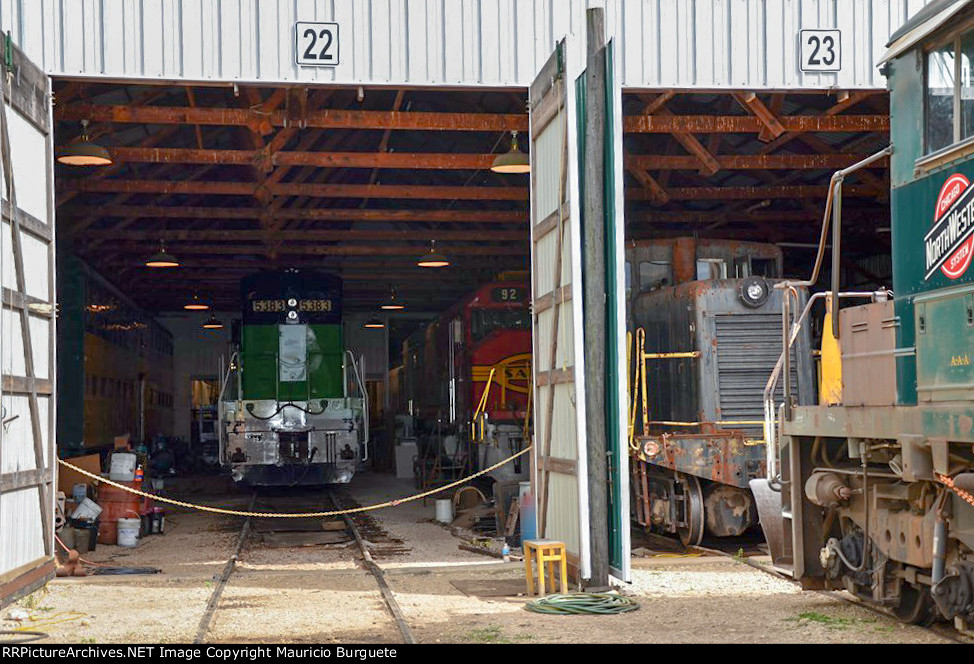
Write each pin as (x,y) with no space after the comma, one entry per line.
(27,454)
(196,354)
(664,43)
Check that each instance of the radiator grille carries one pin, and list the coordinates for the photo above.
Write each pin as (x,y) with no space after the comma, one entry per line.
(748,346)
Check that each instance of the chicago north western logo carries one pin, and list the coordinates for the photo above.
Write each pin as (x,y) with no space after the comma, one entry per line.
(949,246)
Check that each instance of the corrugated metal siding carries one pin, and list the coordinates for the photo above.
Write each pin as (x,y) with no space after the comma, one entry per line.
(664,43)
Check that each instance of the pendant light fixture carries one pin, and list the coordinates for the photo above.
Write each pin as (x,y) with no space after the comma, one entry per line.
(161,258)
(213,324)
(83,152)
(513,161)
(392,304)
(196,304)
(433,259)
(374,323)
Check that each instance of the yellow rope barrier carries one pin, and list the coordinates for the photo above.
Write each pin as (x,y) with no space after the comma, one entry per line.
(296,515)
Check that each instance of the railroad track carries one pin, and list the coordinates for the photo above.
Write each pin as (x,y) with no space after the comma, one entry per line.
(368,560)
(943,631)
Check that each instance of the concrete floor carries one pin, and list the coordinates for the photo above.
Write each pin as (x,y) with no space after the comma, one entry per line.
(318,594)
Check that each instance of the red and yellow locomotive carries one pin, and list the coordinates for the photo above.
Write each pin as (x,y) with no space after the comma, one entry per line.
(465,381)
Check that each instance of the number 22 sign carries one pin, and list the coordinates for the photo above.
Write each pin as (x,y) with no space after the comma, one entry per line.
(821,50)
(315,44)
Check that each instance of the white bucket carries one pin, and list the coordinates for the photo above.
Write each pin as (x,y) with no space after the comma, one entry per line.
(444,510)
(123,467)
(128,532)
(87,510)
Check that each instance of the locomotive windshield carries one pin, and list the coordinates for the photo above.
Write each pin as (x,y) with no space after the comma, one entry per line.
(485,321)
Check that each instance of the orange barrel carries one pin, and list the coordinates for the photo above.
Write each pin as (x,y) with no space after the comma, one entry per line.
(116,504)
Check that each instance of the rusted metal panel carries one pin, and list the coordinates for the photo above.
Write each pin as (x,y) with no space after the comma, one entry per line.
(868,340)
(727,458)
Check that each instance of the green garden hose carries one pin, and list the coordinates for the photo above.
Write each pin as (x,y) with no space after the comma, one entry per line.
(582,604)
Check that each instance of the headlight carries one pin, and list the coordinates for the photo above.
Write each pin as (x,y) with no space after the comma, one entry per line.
(754,291)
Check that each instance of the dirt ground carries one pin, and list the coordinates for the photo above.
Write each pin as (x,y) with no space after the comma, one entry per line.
(323,594)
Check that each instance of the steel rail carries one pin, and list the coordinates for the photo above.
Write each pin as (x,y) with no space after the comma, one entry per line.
(837,595)
(370,564)
(228,569)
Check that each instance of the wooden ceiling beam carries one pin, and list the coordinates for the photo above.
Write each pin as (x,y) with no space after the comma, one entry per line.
(749,124)
(316,119)
(485,122)
(342,235)
(834,110)
(821,161)
(378,249)
(302,214)
(635,218)
(753,192)
(772,126)
(400,160)
(170,187)
(653,189)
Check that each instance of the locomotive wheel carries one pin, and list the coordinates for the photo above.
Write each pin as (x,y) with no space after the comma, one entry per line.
(915,606)
(692,534)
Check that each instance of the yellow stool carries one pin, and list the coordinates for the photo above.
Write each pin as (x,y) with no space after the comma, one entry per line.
(545,551)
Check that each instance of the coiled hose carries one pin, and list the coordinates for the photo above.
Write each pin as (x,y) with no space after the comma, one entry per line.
(582,604)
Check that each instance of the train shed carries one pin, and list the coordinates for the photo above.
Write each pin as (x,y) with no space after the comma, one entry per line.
(356,139)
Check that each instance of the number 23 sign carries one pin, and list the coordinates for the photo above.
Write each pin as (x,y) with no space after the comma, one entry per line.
(821,50)
(316,44)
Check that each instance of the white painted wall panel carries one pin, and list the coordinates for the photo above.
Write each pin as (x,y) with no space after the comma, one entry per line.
(30,164)
(24,543)
(664,43)
(18,514)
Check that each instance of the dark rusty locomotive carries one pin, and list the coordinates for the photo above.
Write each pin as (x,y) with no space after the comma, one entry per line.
(706,334)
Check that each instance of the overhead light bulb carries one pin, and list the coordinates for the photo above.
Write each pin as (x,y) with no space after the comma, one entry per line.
(161,258)
(433,259)
(83,152)
(374,324)
(392,304)
(213,324)
(196,304)
(513,161)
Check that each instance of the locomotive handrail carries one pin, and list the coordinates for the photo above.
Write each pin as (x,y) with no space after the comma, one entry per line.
(482,406)
(365,404)
(224,381)
(833,209)
(833,215)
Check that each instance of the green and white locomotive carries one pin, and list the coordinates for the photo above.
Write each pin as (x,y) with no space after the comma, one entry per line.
(871,491)
(292,410)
